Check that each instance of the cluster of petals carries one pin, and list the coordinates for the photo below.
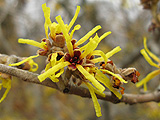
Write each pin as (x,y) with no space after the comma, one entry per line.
(148,55)
(75,57)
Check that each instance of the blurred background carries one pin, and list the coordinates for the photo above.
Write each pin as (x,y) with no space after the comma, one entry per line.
(128,22)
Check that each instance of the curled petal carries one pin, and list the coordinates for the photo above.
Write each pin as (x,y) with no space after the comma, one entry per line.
(32,42)
(74,18)
(77,27)
(149,52)
(52,61)
(52,70)
(89,77)
(6,83)
(95,101)
(90,33)
(54,28)
(104,35)
(99,52)
(53,78)
(145,86)
(65,33)
(34,66)
(108,54)
(93,43)
(23,61)
(46,11)
(118,77)
(103,79)
(148,77)
(148,59)
(60,73)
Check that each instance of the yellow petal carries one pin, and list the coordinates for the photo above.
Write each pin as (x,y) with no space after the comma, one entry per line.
(60,73)
(104,35)
(118,77)
(53,59)
(145,87)
(83,47)
(52,70)
(99,52)
(65,33)
(61,60)
(104,79)
(23,61)
(55,28)
(149,52)
(108,55)
(48,66)
(77,27)
(74,18)
(97,91)
(89,77)
(0,86)
(148,59)
(34,66)
(90,33)
(148,77)
(8,86)
(95,101)
(32,42)
(53,78)
(93,43)
(46,11)
(112,52)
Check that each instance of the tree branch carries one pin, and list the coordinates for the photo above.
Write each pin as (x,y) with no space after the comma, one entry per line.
(80,91)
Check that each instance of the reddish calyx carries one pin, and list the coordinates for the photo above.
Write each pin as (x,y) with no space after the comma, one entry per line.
(74,60)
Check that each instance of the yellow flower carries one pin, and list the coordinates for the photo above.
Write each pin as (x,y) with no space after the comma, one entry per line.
(6,83)
(74,58)
(146,53)
(32,65)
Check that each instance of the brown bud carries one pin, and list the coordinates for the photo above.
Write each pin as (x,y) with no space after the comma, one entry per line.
(59,40)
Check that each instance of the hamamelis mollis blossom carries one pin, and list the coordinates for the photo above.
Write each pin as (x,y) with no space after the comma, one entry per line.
(80,59)
(146,53)
(25,64)
(64,52)
(6,83)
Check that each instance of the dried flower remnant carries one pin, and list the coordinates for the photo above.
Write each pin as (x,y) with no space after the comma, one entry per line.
(118,76)
(146,53)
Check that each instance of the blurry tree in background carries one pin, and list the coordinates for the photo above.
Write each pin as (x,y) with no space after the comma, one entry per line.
(129,23)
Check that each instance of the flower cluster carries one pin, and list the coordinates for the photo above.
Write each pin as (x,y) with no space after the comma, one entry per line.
(63,52)
(146,53)
(25,64)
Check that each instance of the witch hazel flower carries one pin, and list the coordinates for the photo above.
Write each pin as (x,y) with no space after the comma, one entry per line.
(79,59)
(6,83)
(147,54)
(63,52)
